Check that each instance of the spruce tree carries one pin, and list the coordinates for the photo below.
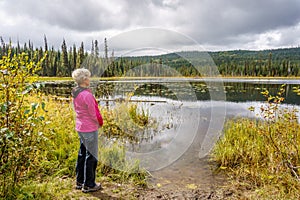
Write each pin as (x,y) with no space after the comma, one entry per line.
(64,58)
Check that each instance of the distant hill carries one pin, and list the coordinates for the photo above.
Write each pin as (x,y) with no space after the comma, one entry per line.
(273,62)
(282,53)
(291,54)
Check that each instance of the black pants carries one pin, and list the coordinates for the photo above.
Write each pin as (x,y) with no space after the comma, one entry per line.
(85,166)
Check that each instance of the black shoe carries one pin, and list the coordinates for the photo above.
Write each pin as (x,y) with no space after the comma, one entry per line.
(78,186)
(86,189)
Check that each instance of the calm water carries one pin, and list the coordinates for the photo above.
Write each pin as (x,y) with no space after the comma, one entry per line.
(230,90)
(191,115)
(174,103)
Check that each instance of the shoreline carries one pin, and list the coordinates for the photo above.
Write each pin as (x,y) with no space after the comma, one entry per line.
(258,78)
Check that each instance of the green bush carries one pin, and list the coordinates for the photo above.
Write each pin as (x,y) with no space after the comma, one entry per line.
(19,136)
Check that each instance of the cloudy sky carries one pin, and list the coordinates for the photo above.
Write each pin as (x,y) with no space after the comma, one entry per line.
(212,24)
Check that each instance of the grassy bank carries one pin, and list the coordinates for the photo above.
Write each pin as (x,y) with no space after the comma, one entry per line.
(262,157)
(51,174)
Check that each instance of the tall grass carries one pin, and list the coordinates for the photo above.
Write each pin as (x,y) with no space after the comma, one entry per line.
(263,156)
(123,124)
(55,158)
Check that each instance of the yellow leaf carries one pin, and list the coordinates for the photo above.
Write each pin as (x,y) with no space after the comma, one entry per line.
(191,186)
(270,177)
(251,108)
(158,185)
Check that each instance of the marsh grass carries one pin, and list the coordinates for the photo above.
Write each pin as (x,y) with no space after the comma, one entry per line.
(127,121)
(114,164)
(262,156)
(123,125)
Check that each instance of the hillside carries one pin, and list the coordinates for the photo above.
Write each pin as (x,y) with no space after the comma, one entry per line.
(273,62)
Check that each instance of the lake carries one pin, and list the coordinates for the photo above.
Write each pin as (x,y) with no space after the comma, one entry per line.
(191,111)
(191,114)
(229,89)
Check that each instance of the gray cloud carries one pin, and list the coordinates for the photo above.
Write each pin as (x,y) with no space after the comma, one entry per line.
(215,24)
(218,20)
(69,14)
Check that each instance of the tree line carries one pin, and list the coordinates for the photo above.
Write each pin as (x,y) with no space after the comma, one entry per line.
(61,62)
(276,62)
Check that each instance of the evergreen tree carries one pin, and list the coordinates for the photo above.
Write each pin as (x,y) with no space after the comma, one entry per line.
(74,64)
(65,68)
(80,56)
(18,47)
(106,51)
(45,65)
(96,49)
(93,49)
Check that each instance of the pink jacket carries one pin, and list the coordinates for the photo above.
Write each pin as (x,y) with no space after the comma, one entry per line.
(88,116)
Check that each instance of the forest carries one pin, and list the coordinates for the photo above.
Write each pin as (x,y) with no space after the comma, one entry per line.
(61,62)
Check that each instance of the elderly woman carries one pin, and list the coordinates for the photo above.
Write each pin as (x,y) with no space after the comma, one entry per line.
(88,121)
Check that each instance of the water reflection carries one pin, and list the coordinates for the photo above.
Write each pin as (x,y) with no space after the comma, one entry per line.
(204,118)
(235,90)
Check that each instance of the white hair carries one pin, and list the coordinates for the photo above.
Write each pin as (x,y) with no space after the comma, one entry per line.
(79,75)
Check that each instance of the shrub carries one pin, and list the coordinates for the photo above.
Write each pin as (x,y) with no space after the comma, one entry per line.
(19,137)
